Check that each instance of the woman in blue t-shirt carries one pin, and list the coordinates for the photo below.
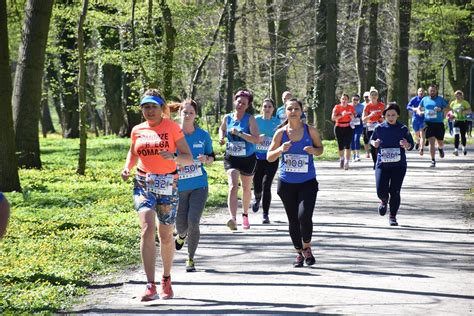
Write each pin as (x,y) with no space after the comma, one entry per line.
(265,170)
(297,142)
(239,131)
(192,182)
(391,139)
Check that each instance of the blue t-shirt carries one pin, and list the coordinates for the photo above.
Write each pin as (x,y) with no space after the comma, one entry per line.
(411,107)
(390,154)
(195,176)
(429,104)
(281,114)
(296,165)
(268,128)
(235,144)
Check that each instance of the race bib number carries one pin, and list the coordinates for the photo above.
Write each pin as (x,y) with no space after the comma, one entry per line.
(456,131)
(265,144)
(390,155)
(160,183)
(371,126)
(191,171)
(431,114)
(236,148)
(296,163)
(355,121)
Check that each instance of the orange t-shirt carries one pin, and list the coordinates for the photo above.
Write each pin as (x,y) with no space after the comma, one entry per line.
(374,108)
(346,119)
(149,141)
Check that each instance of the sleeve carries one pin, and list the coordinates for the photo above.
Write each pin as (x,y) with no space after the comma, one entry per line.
(375,135)
(443,103)
(410,105)
(176,131)
(409,138)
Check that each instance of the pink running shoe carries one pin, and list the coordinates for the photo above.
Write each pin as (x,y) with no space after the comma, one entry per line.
(166,290)
(245,222)
(150,293)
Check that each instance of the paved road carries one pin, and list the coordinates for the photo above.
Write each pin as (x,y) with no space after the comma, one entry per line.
(364,266)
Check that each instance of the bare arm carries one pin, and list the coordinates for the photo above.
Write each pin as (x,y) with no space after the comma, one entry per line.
(317,149)
(276,148)
(129,163)
(222,130)
(254,136)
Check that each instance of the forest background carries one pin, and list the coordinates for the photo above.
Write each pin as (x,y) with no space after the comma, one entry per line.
(72,73)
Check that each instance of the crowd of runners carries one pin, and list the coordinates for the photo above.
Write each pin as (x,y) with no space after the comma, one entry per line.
(171,185)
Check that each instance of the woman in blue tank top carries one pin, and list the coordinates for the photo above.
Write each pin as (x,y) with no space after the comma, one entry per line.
(297,143)
(239,129)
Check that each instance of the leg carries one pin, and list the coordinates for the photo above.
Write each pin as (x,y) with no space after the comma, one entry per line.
(382,184)
(147,242)
(166,246)
(233,179)
(432,141)
(270,171)
(182,213)
(246,192)
(258,179)
(288,193)
(396,180)
(307,200)
(198,200)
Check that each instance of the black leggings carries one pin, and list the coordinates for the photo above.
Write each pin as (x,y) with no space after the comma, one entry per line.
(262,182)
(344,137)
(299,200)
(373,150)
(462,125)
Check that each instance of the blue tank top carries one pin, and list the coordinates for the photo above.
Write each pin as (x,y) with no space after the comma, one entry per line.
(267,128)
(296,165)
(237,146)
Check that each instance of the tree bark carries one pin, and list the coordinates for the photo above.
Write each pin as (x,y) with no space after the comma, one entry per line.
(360,47)
(281,59)
(9,179)
(230,56)
(168,54)
(272,37)
(373,45)
(81,166)
(28,79)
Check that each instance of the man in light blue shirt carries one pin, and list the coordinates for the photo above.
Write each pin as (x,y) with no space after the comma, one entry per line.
(433,108)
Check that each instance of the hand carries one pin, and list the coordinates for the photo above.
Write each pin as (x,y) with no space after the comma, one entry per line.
(202,158)
(222,141)
(404,143)
(261,138)
(376,143)
(235,131)
(285,146)
(125,174)
(437,108)
(309,149)
(167,155)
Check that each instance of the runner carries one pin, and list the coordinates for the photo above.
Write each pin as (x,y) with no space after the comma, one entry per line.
(432,108)
(372,116)
(153,145)
(4,214)
(265,171)
(281,113)
(364,133)
(193,186)
(241,131)
(460,109)
(356,123)
(343,114)
(297,142)
(417,120)
(391,139)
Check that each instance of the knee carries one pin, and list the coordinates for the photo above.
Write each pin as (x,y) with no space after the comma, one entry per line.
(233,188)
(148,231)
(166,239)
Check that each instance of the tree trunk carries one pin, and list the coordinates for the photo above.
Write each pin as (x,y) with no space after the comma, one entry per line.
(81,166)
(28,79)
(373,46)
(170,43)
(46,120)
(360,47)
(331,67)
(9,179)
(281,61)
(232,7)
(272,37)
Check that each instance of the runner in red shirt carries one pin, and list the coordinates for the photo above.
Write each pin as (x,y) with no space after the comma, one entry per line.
(343,114)
(372,117)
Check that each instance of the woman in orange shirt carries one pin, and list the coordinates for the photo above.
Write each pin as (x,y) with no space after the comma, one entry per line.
(155,193)
(372,117)
(343,114)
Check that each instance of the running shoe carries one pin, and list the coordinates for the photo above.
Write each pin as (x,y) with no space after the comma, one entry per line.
(421,151)
(417,146)
(299,260)
(392,221)
(441,152)
(341,163)
(190,265)
(150,293)
(166,290)
(231,223)
(455,152)
(357,158)
(179,242)
(308,257)
(382,208)
(255,206)
(265,219)
(245,221)
(346,165)
(464,151)
(433,164)
(367,155)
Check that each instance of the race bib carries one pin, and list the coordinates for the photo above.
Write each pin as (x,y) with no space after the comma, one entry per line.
(265,144)
(371,126)
(431,114)
(236,148)
(456,131)
(390,155)
(355,121)
(191,171)
(160,183)
(296,163)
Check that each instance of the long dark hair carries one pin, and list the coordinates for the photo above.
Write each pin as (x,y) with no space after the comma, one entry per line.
(291,100)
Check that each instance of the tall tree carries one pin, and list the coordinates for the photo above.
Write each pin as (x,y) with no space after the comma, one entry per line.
(360,47)
(81,166)
(398,89)
(281,60)
(373,45)
(9,180)
(169,46)
(28,79)
(230,54)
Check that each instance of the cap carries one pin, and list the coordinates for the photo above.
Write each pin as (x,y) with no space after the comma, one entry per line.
(366,94)
(152,99)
